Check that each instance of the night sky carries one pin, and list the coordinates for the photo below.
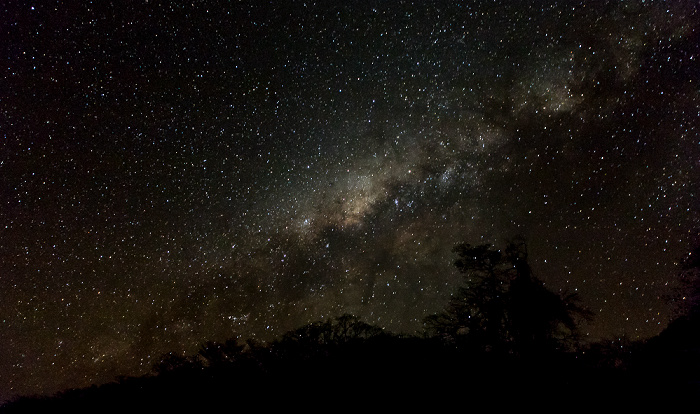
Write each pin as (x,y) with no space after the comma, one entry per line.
(176,174)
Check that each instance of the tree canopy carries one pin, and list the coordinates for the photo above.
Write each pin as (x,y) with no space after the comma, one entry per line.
(502,307)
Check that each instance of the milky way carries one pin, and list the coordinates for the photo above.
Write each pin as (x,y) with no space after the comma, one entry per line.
(177,174)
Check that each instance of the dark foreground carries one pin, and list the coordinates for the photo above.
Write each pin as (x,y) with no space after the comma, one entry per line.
(385,370)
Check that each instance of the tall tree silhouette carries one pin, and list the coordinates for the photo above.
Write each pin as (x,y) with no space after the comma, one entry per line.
(503,307)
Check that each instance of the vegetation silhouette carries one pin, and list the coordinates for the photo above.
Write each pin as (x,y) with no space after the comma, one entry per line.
(675,352)
(687,301)
(503,334)
(503,308)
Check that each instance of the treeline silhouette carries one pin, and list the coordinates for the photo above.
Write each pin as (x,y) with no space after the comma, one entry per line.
(502,335)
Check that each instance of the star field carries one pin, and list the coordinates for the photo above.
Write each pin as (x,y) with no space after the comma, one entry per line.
(172,174)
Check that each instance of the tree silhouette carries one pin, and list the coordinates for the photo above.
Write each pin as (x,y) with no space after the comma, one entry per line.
(341,330)
(687,302)
(675,353)
(503,307)
(221,354)
(173,363)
